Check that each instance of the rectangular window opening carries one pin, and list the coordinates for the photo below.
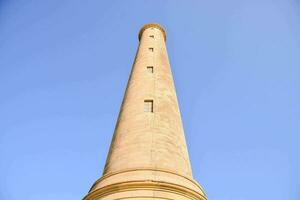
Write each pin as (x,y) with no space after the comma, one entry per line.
(152,36)
(150,69)
(151,49)
(148,105)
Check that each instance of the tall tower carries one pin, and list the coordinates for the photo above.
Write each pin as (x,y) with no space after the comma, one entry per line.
(148,157)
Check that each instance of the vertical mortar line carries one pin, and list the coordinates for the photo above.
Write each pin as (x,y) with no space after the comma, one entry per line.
(150,63)
(154,97)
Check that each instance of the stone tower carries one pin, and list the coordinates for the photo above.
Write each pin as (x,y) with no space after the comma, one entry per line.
(148,157)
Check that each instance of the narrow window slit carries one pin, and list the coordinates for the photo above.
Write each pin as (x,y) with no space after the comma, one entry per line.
(148,105)
(150,69)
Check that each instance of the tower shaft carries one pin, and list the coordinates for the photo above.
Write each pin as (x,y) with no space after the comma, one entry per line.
(148,157)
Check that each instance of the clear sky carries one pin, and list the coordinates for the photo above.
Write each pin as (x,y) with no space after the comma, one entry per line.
(64,66)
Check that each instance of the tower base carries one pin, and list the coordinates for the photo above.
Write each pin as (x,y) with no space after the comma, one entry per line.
(145,184)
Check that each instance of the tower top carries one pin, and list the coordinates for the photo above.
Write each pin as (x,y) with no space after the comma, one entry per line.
(152,25)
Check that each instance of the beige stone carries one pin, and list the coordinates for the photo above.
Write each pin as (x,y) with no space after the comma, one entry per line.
(148,157)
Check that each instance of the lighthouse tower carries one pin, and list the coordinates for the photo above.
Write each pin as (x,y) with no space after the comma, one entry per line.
(148,157)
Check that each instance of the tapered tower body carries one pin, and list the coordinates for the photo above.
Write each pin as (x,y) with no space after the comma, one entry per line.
(148,157)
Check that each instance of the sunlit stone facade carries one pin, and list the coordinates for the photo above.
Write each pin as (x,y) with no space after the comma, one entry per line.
(148,157)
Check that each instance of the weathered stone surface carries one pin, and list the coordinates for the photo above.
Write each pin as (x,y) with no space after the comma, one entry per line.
(148,157)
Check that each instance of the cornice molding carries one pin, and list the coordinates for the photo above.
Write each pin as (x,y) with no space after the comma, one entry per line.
(152,25)
(144,185)
(105,176)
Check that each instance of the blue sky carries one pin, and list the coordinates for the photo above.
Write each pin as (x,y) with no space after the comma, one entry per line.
(64,66)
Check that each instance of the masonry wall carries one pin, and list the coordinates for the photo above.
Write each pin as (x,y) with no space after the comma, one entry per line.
(148,157)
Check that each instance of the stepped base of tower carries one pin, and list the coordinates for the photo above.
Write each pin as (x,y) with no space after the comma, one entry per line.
(145,184)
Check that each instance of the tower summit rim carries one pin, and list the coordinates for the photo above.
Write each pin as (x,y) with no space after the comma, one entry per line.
(152,25)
